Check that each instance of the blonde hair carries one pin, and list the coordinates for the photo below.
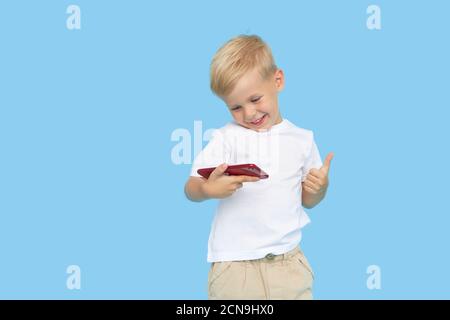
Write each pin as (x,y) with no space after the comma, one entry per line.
(237,57)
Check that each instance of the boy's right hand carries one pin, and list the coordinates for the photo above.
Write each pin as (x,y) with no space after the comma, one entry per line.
(220,185)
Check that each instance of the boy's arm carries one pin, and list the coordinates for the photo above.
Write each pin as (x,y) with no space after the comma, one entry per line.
(194,189)
(315,186)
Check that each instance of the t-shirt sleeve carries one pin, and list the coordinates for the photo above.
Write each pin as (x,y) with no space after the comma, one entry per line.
(312,160)
(214,154)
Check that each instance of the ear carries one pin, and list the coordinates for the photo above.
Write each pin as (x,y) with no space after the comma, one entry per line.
(279,79)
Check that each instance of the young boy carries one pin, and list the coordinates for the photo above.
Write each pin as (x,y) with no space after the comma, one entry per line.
(256,231)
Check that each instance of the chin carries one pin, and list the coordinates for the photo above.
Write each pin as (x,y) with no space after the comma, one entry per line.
(264,126)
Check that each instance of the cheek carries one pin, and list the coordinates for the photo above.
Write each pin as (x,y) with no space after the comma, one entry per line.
(237,116)
(266,106)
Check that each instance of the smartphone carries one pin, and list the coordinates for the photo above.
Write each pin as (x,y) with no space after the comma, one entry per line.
(247,169)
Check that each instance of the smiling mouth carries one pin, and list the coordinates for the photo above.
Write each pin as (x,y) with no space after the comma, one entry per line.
(259,121)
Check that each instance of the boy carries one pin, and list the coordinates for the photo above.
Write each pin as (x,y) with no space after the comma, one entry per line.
(256,231)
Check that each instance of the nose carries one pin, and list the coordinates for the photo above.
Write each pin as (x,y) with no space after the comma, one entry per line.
(249,113)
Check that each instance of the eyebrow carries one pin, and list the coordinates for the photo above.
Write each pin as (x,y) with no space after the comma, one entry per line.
(255,95)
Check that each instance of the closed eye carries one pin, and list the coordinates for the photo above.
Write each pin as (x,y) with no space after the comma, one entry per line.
(255,100)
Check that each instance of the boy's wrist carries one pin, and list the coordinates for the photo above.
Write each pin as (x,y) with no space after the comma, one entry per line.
(204,190)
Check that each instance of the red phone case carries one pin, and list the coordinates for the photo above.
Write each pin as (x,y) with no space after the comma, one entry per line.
(248,169)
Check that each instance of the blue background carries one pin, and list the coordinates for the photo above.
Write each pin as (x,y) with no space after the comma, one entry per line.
(86,118)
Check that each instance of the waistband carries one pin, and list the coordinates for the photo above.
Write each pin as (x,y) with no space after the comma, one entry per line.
(277,257)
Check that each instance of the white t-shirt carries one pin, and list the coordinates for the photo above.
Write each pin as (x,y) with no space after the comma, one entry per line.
(265,216)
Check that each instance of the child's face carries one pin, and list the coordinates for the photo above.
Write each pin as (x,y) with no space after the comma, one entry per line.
(253,103)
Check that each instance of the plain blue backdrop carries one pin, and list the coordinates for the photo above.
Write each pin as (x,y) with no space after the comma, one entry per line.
(86,118)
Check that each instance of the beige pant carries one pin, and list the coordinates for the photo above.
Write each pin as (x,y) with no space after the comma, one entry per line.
(287,276)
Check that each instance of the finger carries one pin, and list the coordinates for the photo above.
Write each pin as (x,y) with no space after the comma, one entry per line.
(308,189)
(242,179)
(314,179)
(219,170)
(238,185)
(317,173)
(229,193)
(312,185)
(326,164)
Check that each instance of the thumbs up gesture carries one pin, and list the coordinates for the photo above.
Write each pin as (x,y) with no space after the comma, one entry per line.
(316,182)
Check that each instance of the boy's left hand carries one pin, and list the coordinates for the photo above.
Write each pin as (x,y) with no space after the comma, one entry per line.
(317,179)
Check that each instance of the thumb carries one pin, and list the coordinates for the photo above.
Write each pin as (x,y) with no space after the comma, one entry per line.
(218,171)
(327,162)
